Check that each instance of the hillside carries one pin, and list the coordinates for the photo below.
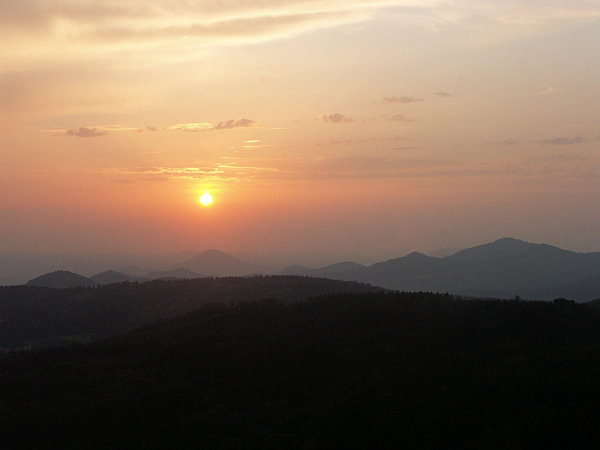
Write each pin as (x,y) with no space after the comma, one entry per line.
(61,279)
(180,273)
(504,268)
(349,371)
(35,316)
(217,263)
(112,276)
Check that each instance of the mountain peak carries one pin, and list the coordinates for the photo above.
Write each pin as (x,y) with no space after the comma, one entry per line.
(217,263)
(501,248)
(61,279)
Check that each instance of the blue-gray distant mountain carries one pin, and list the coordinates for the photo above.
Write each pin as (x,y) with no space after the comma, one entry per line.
(179,273)
(296,269)
(61,279)
(133,270)
(112,276)
(337,270)
(217,263)
(504,268)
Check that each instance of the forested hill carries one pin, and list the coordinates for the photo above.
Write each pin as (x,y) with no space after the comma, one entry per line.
(391,371)
(37,316)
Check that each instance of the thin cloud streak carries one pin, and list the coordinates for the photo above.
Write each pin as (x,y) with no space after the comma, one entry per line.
(560,141)
(337,118)
(86,132)
(401,100)
(205,126)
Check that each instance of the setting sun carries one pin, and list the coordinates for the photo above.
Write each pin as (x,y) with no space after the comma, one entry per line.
(206,199)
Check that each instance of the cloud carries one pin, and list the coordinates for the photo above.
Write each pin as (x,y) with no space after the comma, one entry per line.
(403,100)
(205,126)
(337,118)
(86,132)
(232,123)
(132,22)
(400,118)
(442,94)
(548,91)
(192,126)
(560,141)
(508,141)
(47,28)
(151,128)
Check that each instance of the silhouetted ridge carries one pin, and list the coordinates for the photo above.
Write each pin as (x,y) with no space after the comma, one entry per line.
(337,268)
(218,263)
(504,268)
(61,279)
(112,276)
(295,269)
(179,273)
(39,315)
(504,247)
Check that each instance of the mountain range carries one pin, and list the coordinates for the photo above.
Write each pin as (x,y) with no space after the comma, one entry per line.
(505,268)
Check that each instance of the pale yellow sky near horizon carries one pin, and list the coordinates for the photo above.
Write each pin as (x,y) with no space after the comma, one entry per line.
(354,127)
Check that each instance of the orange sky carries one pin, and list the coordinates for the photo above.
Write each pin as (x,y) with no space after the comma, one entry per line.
(361,128)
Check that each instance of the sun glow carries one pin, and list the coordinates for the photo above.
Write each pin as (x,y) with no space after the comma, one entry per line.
(206,199)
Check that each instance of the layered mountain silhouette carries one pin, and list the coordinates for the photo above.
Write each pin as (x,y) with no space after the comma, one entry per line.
(504,268)
(331,270)
(217,263)
(112,276)
(61,279)
(179,273)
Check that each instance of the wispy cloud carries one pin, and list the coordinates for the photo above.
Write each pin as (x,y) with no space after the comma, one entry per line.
(548,91)
(86,132)
(400,118)
(337,118)
(508,141)
(232,123)
(560,141)
(205,126)
(402,100)
(442,94)
(191,126)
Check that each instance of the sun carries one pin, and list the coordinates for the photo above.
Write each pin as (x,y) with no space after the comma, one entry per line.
(206,199)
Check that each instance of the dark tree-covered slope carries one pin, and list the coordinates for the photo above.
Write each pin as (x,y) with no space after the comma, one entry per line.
(392,371)
(35,316)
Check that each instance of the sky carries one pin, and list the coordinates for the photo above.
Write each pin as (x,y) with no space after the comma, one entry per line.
(365,129)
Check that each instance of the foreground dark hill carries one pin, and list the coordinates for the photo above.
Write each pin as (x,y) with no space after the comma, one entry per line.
(386,371)
(61,279)
(35,316)
(505,268)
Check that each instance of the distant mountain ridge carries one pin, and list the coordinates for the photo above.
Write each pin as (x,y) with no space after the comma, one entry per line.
(179,273)
(504,268)
(218,263)
(112,276)
(61,279)
(326,271)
